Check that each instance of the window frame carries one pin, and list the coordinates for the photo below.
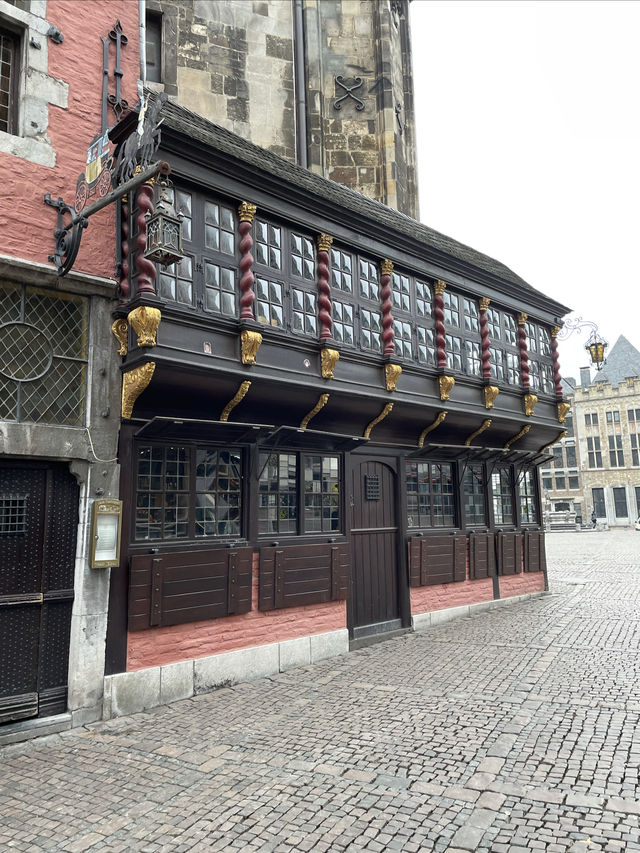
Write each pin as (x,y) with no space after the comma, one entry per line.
(15,36)
(454,496)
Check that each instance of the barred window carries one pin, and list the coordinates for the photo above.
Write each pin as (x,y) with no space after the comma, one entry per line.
(13,515)
(430,494)
(43,355)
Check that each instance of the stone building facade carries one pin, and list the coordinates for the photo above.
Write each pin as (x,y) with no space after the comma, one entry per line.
(596,467)
(325,83)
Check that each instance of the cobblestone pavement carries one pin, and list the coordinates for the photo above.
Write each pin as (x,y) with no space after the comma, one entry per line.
(511,731)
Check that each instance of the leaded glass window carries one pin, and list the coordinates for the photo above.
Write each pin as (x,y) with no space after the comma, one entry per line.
(304,316)
(426,346)
(401,291)
(527,495)
(502,494)
(341,270)
(218,492)
(162,492)
(402,342)
(303,263)
(278,493)
(321,476)
(453,347)
(371,330)
(268,244)
(369,280)
(474,494)
(430,494)
(269,302)
(343,329)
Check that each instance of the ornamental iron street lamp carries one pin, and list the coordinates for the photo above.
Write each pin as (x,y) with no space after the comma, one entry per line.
(596,344)
(164,230)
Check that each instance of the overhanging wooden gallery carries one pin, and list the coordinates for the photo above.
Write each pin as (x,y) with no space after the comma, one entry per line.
(332,416)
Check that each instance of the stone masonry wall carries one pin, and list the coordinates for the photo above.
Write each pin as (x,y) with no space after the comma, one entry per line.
(159,646)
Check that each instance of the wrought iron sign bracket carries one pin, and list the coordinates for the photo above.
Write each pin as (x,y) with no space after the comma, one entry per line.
(358,81)
(68,235)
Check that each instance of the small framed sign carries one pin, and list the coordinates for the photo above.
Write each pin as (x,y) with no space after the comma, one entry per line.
(106,524)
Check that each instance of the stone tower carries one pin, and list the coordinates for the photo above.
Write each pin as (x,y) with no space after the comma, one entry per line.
(324,83)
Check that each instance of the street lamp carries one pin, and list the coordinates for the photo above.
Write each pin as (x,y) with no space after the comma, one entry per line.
(596,344)
(164,231)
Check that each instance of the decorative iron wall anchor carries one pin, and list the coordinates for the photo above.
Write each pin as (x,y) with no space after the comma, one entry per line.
(119,104)
(337,105)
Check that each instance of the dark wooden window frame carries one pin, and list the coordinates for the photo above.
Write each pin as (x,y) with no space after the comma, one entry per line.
(467,474)
(153,38)
(501,371)
(13,37)
(464,331)
(300,493)
(432,515)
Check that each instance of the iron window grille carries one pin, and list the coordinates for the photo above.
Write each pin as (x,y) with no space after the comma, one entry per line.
(13,515)
(43,355)
(299,493)
(430,494)
(185,492)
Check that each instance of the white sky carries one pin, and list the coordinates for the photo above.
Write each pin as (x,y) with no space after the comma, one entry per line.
(528,130)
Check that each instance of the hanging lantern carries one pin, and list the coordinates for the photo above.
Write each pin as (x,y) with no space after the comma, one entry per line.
(164,231)
(596,347)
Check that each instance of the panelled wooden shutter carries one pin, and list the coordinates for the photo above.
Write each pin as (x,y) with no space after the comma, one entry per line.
(509,553)
(437,559)
(188,586)
(534,551)
(294,575)
(481,555)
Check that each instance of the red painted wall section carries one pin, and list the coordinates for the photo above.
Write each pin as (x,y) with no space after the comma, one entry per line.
(199,639)
(521,584)
(440,596)
(78,62)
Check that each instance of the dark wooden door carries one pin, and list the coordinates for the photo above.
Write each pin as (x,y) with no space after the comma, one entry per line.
(38,527)
(374,599)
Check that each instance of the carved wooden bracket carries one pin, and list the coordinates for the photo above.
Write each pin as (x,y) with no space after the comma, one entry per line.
(145,321)
(133,384)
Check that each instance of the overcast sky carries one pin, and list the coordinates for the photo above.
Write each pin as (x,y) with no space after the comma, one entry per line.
(528,129)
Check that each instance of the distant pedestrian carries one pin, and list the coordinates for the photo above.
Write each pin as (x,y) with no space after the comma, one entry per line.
(594,518)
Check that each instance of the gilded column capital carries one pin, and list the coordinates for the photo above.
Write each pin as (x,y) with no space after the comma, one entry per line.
(324,241)
(555,331)
(133,384)
(522,318)
(484,303)
(145,321)
(386,266)
(246,211)
(440,286)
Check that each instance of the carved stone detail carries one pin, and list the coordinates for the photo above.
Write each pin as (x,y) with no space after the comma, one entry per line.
(145,321)
(490,394)
(425,432)
(383,414)
(249,344)
(133,384)
(328,360)
(120,329)
(563,411)
(322,402)
(391,375)
(483,426)
(530,401)
(240,394)
(446,384)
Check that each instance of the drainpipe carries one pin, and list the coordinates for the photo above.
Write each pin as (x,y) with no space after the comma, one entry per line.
(300,85)
(142,24)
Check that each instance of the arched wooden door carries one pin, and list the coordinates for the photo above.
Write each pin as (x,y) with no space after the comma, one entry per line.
(374,605)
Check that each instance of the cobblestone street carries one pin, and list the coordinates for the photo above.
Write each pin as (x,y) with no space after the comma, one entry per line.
(514,730)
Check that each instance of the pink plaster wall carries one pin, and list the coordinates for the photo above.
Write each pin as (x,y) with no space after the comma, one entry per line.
(424,599)
(78,62)
(521,584)
(158,646)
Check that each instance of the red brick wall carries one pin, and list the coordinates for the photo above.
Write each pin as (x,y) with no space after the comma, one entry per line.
(521,584)
(424,599)
(78,62)
(199,639)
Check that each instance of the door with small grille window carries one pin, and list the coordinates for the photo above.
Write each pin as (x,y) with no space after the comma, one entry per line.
(38,528)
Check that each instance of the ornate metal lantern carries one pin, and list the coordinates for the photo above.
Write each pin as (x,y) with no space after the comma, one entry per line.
(596,346)
(164,231)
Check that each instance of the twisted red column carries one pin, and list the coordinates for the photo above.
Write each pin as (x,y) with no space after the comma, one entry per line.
(146,268)
(247,278)
(485,340)
(324,288)
(124,285)
(556,363)
(524,358)
(388,336)
(438,313)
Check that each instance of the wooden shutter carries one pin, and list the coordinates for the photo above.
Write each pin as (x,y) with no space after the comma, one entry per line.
(437,559)
(509,546)
(171,589)
(481,555)
(294,575)
(534,551)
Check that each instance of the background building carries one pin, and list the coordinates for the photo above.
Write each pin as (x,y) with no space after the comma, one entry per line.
(596,467)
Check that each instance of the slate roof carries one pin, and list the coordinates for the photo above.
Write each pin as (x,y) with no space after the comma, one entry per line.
(182,120)
(623,362)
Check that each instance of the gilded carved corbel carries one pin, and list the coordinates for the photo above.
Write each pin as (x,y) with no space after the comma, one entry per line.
(517,436)
(120,329)
(530,401)
(391,375)
(445,384)
(559,437)
(483,426)
(133,384)
(328,360)
(322,402)
(145,321)
(240,394)
(249,345)
(383,414)
(425,432)
(563,411)
(490,394)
